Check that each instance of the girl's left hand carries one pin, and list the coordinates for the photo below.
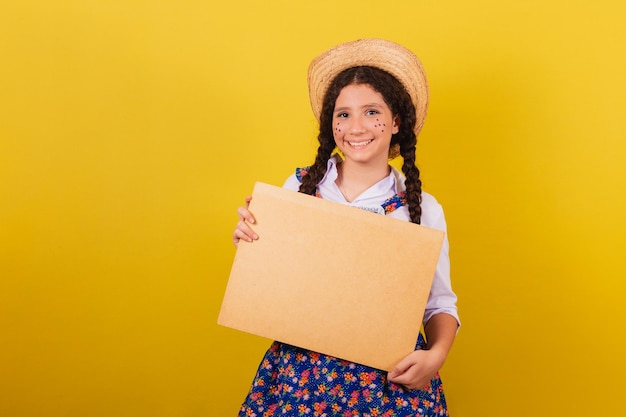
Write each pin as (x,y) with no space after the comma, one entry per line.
(417,369)
(243,230)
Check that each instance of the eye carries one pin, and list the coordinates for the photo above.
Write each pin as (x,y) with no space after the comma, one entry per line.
(372,112)
(342,115)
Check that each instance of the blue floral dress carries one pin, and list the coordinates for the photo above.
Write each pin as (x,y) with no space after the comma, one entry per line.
(292,381)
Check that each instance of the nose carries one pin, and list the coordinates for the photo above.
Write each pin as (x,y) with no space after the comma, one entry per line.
(357,126)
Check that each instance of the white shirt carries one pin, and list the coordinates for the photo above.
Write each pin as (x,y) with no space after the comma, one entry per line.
(441,299)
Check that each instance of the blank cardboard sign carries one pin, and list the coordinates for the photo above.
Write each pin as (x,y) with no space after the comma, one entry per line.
(331,278)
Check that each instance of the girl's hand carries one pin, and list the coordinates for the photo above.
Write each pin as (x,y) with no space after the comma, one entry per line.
(243,231)
(417,369)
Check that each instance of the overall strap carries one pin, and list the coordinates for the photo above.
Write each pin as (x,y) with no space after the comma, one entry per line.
(394,202)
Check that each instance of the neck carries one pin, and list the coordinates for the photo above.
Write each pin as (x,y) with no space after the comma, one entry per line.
(354,178)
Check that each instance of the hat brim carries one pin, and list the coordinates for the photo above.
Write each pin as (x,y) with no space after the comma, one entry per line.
(386,55)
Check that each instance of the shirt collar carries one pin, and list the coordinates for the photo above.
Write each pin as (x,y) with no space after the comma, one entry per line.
(394,181)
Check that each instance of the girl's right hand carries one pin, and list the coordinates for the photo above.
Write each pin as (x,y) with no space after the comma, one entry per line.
(243,231)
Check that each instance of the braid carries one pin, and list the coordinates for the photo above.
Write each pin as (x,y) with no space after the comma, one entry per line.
(317,171)
(325,137)
(407,140)
(413,182)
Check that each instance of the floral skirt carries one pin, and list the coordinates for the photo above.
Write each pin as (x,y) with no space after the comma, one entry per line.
(292,381)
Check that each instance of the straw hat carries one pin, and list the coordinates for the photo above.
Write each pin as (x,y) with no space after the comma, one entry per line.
(379,53)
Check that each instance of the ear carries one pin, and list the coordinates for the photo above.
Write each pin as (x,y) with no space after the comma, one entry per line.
(396,125)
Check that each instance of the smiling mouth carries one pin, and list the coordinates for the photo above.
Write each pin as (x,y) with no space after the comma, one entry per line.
(360,144)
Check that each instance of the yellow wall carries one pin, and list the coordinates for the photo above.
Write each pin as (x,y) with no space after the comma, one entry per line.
(130,130)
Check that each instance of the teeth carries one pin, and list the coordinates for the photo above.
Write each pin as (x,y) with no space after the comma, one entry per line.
(360,143)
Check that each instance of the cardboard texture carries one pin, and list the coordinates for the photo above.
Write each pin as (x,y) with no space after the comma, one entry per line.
(331,278)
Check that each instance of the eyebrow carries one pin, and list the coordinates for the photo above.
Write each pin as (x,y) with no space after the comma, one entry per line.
(363,107)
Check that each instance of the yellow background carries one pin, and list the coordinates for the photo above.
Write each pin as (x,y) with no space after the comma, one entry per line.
(130,130)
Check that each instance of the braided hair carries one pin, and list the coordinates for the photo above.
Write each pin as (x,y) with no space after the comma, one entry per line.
(400,104)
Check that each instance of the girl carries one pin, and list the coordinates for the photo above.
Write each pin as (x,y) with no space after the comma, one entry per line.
(370,98)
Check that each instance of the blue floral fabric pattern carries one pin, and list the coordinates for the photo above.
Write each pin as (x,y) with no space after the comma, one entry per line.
(301,172)
(394,202)
(294,382)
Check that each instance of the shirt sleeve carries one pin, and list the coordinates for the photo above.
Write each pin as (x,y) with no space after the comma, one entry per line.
(441,299)
(292,183)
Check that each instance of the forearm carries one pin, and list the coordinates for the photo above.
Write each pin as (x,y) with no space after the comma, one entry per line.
(440,333)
